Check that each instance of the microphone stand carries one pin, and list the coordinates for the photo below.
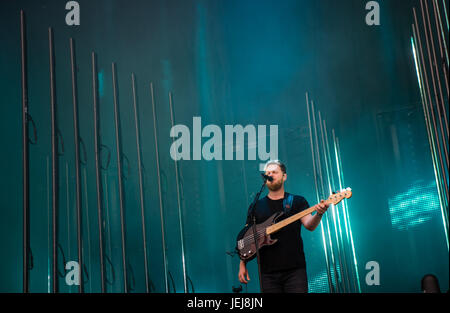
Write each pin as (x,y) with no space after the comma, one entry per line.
(253,217)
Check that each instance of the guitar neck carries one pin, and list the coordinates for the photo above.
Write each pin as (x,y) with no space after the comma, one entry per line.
(277,226)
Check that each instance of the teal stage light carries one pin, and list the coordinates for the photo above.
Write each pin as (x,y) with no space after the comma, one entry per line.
(415,206)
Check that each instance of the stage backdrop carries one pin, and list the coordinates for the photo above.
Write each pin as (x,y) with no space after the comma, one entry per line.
(342,97)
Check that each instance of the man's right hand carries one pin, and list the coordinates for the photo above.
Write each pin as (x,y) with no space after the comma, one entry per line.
(243,272)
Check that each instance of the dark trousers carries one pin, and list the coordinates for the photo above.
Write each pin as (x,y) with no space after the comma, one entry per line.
(291,281)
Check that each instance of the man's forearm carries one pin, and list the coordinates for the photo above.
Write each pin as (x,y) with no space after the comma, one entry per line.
(314,221)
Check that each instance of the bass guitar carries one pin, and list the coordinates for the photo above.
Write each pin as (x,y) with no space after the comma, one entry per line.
(246,247)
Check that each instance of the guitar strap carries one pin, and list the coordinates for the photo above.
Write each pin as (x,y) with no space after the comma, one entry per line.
(287,203)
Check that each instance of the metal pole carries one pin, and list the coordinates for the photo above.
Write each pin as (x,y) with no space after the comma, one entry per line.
(108,228)
(97,171)
(161,210)
(88,228)
(54,162)
(434,83)
(430,138)
(425,105)
(119,174)
(442,28)
(172,118)
(441,38)
(443,114)
(141,188)
(68,216)
(77,164)
(25,156)
(49,265)
(430,106)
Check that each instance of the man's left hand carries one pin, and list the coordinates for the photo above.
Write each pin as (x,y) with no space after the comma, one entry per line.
(321,207)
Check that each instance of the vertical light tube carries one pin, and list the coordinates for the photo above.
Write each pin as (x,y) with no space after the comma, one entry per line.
(441,39)
(440,169)
(323,195)
(338,152)
(327,171)
(430,136)
(330,283)
(438,83)
(335,209)
(342,204)
(445,13)
(429,106)
(435,94)
(345,213)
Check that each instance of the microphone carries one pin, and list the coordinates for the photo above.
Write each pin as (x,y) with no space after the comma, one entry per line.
(266,177)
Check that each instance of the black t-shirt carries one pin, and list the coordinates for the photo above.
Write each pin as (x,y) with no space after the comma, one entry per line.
(287,253)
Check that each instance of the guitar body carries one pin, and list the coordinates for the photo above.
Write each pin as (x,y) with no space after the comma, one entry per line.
(246,247)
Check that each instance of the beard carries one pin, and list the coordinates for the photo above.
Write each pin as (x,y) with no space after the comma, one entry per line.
(275,185)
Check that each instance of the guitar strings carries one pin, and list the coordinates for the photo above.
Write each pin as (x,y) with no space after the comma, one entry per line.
(251,237)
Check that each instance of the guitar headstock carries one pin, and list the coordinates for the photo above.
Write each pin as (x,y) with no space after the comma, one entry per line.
(335,198)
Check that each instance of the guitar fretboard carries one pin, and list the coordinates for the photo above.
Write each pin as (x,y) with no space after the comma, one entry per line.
(276,227)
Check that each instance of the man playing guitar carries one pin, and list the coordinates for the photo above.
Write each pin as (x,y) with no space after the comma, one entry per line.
(282,265)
